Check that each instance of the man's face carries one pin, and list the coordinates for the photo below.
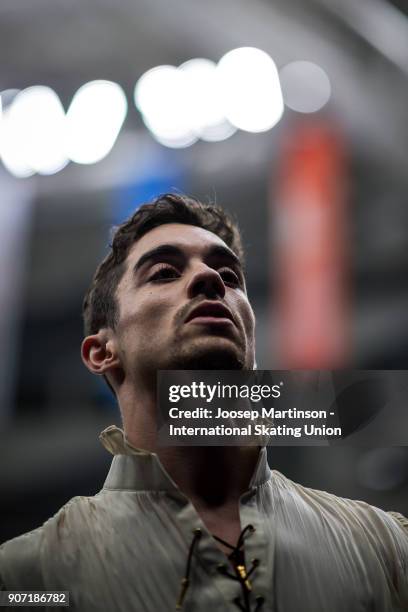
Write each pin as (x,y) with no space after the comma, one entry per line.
(183,305)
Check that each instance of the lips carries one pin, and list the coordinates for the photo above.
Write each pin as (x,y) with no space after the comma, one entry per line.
(210,310)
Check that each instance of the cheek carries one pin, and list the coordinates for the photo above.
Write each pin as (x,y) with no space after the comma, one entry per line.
(243,307)
(147,312)
(250,324)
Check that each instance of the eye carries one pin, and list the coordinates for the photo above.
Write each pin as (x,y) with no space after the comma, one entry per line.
(230,277)
(164,272)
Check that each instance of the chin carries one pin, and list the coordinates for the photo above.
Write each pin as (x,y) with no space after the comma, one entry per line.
(207,356)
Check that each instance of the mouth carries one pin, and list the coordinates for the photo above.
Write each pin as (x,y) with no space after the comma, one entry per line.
(210,313)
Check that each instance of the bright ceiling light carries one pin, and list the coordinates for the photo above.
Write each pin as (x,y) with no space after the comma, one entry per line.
(12,139)
(42,117)
(33,131)
(180,142)
(160,96)
(205,108)
(306,87)
(180,105)
(169,133)
(12,143)
(155,87)
(94,118)
(217,132)
(248,81)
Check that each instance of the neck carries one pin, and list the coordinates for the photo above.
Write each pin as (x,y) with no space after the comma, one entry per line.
(211,476)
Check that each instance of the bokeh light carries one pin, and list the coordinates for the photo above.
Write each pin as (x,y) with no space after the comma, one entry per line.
(205,105)
(248,81)
(33,133)
(306,87)
(217,132)
(11,140)
(201,99)
(170,134)
(93,121)
(160,96)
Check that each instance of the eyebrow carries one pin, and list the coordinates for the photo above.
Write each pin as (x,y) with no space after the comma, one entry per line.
(170,250)
(224,252)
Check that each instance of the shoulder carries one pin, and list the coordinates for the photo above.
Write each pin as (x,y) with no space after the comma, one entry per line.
(19,560)
(23,559)
(354,530)
(355,517)
(384,532)
(399,525)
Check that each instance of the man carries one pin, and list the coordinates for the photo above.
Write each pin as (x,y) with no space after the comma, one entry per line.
(196,528)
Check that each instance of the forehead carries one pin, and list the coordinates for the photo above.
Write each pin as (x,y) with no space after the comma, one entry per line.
(190,239)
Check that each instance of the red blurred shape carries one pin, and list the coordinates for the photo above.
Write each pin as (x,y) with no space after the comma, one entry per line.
(311,249)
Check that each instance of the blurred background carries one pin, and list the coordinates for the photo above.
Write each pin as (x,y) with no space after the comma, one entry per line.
(291,115)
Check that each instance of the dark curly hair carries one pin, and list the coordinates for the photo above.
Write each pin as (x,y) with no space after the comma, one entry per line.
(99,306)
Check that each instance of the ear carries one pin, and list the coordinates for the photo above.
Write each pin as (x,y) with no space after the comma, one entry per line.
(99,352)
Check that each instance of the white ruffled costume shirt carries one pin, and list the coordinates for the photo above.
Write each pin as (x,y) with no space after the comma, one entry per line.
(127,548)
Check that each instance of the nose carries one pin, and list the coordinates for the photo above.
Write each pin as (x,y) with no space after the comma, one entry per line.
(206,281)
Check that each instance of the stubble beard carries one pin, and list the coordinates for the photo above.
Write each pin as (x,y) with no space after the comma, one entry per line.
(197,355)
